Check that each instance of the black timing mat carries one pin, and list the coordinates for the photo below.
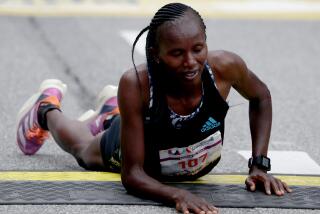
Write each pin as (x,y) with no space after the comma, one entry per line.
(113,193)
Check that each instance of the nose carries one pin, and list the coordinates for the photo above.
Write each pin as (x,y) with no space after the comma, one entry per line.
(189,61)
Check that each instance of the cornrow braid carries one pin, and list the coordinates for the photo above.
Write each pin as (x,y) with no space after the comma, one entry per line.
(168,12)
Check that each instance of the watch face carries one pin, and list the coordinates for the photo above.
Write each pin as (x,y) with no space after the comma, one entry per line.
(265,162)
(261,162)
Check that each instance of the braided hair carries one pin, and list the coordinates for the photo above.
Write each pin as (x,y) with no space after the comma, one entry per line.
(168,12)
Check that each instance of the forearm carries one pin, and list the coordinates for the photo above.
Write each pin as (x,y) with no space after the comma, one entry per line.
(142,185)
(260,115)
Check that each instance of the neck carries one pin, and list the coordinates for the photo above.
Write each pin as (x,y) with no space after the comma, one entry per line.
(183,99)
(183,91)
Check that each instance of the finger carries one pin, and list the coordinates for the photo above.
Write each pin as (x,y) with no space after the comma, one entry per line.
(275,187)
(250,184)
(198,206)
(197,210)
(208,207)
(286,187)
(204,209)
(178,207)
(267,186)
(281,187)
(192,207)
(212,212)
(185,211)
(213,209)
(182,207)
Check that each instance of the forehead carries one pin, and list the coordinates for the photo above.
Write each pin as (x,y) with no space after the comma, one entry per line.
(185,28)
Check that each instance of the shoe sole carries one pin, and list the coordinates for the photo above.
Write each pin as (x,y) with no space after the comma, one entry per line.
(106,93)
(49,83)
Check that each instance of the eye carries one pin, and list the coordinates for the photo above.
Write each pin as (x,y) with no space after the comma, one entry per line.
(176,52)
(198,48)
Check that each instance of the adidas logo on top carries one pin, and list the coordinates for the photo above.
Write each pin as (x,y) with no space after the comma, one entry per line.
(210,124)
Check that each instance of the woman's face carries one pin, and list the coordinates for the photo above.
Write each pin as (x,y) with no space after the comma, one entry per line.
(182,48)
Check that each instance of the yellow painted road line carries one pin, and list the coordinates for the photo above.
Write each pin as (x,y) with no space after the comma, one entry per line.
(232,9)
(107,176)
(240,179)
(58,176)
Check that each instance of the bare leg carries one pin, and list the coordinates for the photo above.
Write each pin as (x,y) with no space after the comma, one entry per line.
(75,138)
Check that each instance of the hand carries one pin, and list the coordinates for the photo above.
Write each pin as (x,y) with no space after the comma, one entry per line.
(187,202)
(271,184)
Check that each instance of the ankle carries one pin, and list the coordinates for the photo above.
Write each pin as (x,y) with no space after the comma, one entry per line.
(43,109)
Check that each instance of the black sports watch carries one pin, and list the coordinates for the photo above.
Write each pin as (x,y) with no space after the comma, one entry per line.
(262,162)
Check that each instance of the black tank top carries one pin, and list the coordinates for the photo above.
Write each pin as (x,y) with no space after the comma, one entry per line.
(160,134)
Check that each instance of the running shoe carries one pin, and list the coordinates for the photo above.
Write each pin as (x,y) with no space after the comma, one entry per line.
(106,108)
(30,135)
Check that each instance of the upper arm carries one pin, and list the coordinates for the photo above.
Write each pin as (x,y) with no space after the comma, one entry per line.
(132,133)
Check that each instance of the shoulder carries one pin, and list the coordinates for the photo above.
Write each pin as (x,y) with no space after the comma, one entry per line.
(228,66)
(232,71)
(132,76)
(134,85)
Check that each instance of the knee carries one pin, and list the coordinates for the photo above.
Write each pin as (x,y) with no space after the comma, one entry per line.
(90,161)
(82,163)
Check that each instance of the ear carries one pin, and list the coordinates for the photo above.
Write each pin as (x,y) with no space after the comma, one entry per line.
(154,52)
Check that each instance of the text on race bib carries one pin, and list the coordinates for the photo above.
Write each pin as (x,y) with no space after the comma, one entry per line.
(192,159)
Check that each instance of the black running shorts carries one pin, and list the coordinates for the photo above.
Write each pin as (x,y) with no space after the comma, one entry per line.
(110,146)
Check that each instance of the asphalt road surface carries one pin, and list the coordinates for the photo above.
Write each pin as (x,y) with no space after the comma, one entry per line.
(87,53)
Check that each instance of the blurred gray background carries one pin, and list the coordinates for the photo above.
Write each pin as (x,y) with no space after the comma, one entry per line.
(88,52)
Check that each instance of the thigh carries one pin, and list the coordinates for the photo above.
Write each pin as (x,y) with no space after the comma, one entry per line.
(90,157)
(103,153)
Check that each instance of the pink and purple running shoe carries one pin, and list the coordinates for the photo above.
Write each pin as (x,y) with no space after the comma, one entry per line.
(30,135)
(106,108)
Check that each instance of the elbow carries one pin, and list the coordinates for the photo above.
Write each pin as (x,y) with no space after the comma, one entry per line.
(130,179)
(261,103)
(263,96)
(266,94)
(127,181)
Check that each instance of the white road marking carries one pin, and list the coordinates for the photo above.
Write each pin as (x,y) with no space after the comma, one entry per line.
(130,35)
(267,6)
(289,162)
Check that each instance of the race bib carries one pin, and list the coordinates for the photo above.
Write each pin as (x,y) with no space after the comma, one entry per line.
(192,159)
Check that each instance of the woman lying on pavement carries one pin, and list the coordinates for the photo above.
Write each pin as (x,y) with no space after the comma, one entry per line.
(170,126)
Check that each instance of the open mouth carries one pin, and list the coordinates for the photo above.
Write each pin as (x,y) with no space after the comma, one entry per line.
(190,74)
